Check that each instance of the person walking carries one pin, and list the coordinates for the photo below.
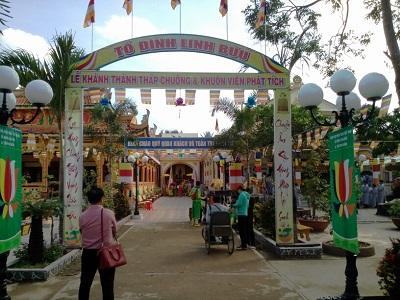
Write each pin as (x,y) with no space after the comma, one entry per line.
(196,204)
(297,194)
(242,205)
(365,194)
(373,196)
(90,227)
(250,237)
(381,192)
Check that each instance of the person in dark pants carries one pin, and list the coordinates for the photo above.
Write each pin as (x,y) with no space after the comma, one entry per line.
(249,225)
(90,226)
(242,205)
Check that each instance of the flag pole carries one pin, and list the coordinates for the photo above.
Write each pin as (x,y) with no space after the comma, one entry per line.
(265,37)
(180,18)
(227,26)
(92,39)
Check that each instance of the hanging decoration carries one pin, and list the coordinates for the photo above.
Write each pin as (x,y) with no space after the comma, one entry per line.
(179,102)
(251,102)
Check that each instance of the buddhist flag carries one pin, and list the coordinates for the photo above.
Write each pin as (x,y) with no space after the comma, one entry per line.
(262,97)
(356,146)
(308,135)
(89,18)
(120,95)
(299,140)
(385,105)
(145,95)
(238,96)
(190,97)
(324,131)
(170,97)
(398,149)
(317,135)
(216,125)
(128,6)
(261,14)
(223,7)
(174,3)
(214,97)
(374,144)
(364,111)
(31,141)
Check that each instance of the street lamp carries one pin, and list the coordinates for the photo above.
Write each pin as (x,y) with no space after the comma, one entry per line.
(373,87)
(134,160)
(39,93)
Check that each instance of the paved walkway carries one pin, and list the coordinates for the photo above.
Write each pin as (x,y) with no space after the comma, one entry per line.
(166,260)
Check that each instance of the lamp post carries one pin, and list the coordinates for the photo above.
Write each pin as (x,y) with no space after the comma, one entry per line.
(39,93)
(227,158)
(373,87)
(134,160)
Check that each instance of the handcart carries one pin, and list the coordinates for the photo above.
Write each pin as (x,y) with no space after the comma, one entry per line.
(219,228)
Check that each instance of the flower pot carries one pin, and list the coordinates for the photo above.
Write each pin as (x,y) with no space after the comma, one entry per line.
(366,249)
(396,221)
(317,225)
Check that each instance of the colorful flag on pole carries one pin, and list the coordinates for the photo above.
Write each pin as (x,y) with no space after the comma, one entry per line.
(174,3)
(324,131)
(170,97)
(261,14)
(89,17)
(262,97)
(308,135)
(223,7)
(120,95)
(385,105)
(128,6)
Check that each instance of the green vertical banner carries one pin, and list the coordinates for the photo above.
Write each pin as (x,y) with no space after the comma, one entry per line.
(10,188)
(342,185)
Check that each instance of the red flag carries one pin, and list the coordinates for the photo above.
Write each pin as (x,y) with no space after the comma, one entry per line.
(174,3)
(89,18)
(223,7)
(261,14)
(216,125)
(128,6)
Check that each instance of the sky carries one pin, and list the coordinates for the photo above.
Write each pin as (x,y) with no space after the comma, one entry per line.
(35,23)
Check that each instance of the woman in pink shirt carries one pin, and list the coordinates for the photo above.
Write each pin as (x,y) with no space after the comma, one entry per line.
(90,226)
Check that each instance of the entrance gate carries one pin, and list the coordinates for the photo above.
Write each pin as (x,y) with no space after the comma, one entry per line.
(87,74)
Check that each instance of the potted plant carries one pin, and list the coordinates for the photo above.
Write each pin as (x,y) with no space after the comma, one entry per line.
(394,212)
(389,270)
(315,189)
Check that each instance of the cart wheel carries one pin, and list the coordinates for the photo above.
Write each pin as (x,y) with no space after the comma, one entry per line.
(207,240)
(203,232)
(231,243)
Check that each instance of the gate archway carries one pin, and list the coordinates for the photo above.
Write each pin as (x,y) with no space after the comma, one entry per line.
(269,76)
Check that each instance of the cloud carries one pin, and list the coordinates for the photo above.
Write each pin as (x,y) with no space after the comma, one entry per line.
(14,38)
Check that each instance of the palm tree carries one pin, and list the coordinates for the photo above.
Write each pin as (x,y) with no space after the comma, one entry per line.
(207,134)
(4,11)
(55,69)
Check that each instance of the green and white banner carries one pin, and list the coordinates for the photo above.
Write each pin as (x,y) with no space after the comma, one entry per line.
(10,188)
(343,189)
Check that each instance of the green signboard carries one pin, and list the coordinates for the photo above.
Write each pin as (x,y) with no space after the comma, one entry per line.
(10,188)
(343,188)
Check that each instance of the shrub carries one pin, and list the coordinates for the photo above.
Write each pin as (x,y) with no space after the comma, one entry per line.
(389,270)
(264,216)
(51,252)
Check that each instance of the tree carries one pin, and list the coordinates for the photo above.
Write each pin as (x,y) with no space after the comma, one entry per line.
(300,41)
(4,12)
(383,129)
(55,69)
